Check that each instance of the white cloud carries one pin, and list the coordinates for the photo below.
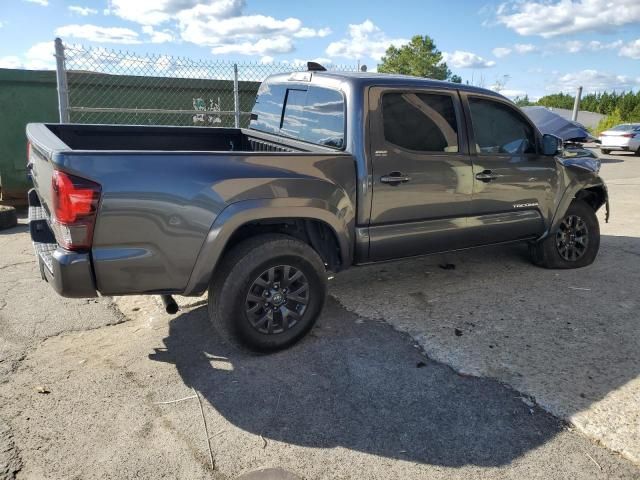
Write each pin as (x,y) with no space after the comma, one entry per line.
(525,48)
(596,45)
(461,59)
(520,48)
(198,27)
(364,40)
(501,52)
(11,62)
(82,11)
(42,3)
(298,62)
(572,46)
(593,81)
(38,57)
(1,24)
(157,36)
(262,47)
(551,18)
(305,32)
(631,50)
(95,33)
(155,12)
(220,24)
(576,46)
(266,60)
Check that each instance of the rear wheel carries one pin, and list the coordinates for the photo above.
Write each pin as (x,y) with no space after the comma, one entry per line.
(575,244)
(605,151)
(268,293)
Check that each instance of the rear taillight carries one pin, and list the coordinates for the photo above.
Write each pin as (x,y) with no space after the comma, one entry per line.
(629,135)
(75,206)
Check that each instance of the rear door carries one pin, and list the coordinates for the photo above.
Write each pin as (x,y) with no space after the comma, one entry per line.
(421,172)
(513,184)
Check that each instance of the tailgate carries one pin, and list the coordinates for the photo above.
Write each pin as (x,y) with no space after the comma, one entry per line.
(43,145)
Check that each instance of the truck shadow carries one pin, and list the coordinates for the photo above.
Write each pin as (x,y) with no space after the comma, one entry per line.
(359,385)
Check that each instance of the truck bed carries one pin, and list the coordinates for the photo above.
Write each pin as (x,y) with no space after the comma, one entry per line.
(162,189)
(155,138)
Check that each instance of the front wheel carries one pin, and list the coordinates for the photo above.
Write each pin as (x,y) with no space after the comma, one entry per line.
(267,293)
(576,242)
(605,151)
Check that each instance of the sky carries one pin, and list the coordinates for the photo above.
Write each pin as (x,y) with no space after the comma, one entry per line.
(517,47)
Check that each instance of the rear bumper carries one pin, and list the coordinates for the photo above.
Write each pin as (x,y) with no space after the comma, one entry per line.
(615,147)
(69,273)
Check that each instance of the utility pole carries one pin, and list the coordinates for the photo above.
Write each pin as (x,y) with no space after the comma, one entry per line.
(576,105)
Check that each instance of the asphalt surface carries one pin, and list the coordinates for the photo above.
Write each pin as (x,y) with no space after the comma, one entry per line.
(356,399)
(568,338)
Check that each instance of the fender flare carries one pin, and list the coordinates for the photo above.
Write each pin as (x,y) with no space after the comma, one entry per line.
(569,195)
(240,213)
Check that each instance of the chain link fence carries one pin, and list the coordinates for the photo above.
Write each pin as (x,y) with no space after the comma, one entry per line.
(97,85)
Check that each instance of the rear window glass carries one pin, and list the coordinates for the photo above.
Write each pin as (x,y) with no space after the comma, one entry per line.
(421,122)
(314,115)
(626,128)
(293,120)
(267,111)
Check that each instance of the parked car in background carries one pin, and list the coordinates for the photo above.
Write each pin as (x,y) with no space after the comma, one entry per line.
(625,137)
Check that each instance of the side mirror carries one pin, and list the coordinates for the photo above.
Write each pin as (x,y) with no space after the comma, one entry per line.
(551,145)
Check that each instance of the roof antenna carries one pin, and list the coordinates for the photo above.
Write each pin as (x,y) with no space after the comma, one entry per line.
(315,67)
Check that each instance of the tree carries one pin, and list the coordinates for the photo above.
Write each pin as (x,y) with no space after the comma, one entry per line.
(419,58)
(455,79)
(523,101)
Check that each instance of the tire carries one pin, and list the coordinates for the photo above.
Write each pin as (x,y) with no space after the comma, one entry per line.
(257,269)
(604,151)
(564,248)
(8,217)
(637,152)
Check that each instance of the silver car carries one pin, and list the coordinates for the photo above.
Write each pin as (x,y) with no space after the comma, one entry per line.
(624,137)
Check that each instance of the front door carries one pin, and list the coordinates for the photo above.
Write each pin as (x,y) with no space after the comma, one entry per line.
(514,185)
(422,174)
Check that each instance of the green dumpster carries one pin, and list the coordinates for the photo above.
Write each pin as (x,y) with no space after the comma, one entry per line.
(25,96)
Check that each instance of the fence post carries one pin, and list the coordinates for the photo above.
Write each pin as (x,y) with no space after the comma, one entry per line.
(236,96)
(61,83)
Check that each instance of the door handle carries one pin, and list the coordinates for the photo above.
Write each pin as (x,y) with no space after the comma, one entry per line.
(394,178)
(487,176)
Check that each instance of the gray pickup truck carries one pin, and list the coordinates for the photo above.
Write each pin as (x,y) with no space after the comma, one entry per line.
(335,170)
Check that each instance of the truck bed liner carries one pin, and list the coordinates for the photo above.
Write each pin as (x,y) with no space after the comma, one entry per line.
(139,138)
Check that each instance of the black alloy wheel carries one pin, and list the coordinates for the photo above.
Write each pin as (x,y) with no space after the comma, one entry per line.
(572,239)
(277,299)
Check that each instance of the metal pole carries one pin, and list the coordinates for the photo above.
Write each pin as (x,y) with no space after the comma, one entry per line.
(236,95)
(576,105)
(61,82)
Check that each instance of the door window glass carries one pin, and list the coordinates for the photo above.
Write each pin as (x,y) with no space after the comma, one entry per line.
(498,128)
(420,121)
